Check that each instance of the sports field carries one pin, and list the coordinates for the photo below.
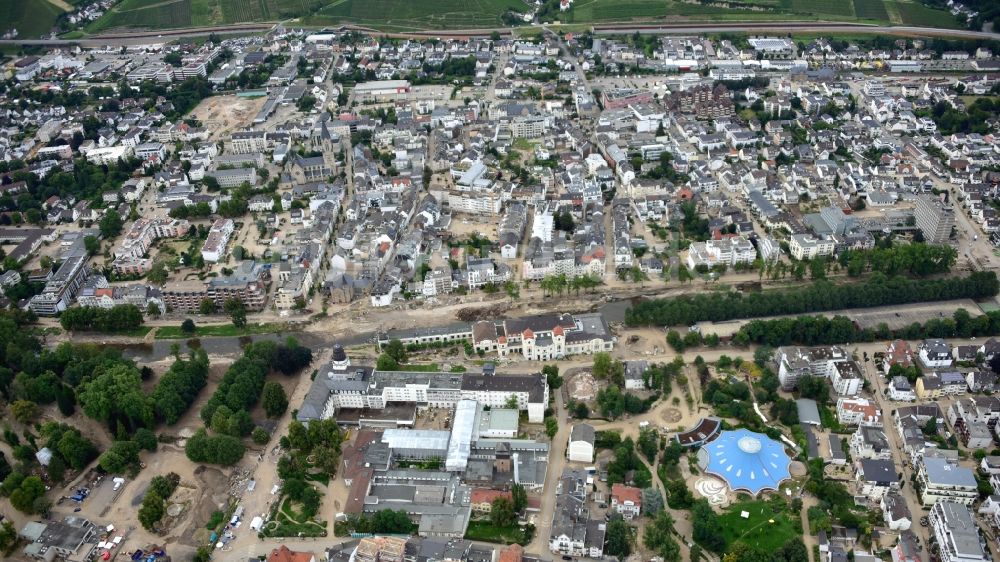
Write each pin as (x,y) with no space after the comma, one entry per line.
(31,18)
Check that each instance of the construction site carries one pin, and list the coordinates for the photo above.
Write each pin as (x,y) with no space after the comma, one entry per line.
(222,115)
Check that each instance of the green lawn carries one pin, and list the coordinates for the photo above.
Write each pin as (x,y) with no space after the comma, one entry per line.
(757,530)
(289,522)
(223,330)
(485,531)
(31,18)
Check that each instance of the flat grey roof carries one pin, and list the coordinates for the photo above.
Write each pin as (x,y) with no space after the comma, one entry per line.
(808,411)
(940,471)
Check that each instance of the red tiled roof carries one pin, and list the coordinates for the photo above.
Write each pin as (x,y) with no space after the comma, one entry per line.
(512,553)
(621,494)
(284,554)
(482,495)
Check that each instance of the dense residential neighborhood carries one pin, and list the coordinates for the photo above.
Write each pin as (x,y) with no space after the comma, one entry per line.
(324,294)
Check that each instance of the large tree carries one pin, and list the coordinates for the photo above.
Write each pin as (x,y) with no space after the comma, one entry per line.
(274,400)
(152,510)
(116,395)
(502,512)
(706,528)
(658,537)
(23,498)
(519,497)
(618,539)
(237,311)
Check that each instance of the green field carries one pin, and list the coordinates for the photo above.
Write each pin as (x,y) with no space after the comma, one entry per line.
(838,8)
(757,530)
(31,18)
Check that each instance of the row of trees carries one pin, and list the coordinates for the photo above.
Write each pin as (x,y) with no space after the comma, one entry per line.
(179,386)
(877,290)
(559,284)
(821,330)
(243,382)
(118,318)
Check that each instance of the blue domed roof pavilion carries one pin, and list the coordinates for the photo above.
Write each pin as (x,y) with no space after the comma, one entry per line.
(746,461)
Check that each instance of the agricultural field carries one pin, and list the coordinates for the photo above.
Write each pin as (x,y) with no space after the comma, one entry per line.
(614,10)
(31,18)
(420,14)
(145,14)
(915,13)
(837,8)
(870,10)
(458,14)
(165,14)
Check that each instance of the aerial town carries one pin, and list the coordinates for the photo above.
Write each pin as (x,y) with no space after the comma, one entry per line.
(329,295)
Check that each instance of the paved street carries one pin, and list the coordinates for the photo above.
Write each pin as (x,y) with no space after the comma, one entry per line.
(557,461)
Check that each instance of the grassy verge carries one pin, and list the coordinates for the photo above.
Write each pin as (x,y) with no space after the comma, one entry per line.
(423,368)
(222,330)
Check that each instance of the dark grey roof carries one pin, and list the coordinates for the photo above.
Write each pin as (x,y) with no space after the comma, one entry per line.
(877,470)
(583,432)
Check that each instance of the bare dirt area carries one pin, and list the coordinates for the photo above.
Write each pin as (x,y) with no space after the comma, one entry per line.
(202,489)
(581,385)
(463,226)
(222,115)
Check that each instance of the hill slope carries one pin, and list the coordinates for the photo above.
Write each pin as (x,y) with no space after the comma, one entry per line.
(458,14)
(31,18)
